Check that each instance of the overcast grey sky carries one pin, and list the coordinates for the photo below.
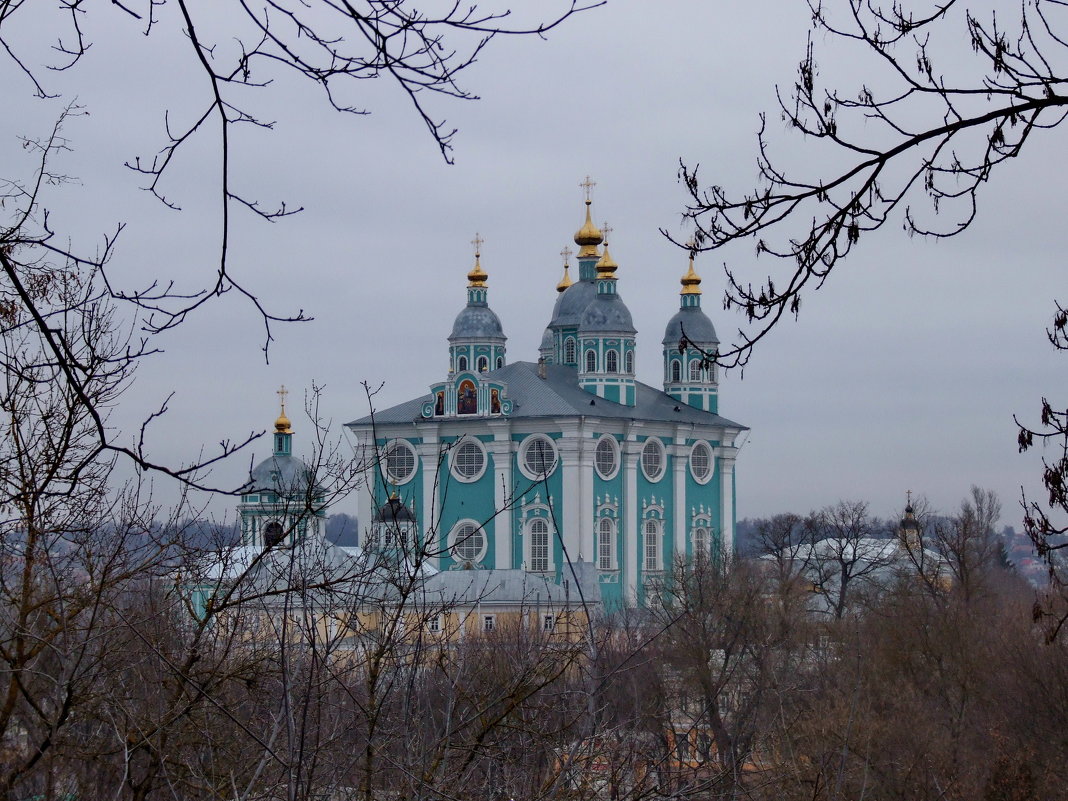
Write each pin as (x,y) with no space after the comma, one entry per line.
(903,372)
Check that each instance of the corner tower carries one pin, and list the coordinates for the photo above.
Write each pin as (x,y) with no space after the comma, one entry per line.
(606,340)
(477,341)
(690,338)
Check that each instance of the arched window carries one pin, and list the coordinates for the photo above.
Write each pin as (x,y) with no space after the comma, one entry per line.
(606,551)
(483,364)
(461,364)
(629,362)
(676,370)
(539,545)
(695,370)
(500,362)
(591,361)
(651,546)
(700,544)
(569,350)
(611,362)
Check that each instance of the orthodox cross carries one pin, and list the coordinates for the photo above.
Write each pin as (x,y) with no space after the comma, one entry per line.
(606,230)
(477,242)
(566,253)
(282,396)
(588,185)
(908,494)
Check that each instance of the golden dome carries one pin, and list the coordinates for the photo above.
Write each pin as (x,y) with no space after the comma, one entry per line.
(589,236)
(691,282)
(477,277)
(282,424)
(565,282)
(607,266)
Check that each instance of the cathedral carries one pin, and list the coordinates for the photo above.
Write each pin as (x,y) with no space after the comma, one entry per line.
(568,467)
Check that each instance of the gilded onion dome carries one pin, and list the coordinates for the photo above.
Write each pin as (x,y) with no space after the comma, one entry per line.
(606,267)
(588,237)
(565,282)
(691,282)
(477,277)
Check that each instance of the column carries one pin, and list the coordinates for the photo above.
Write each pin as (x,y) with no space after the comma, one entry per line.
(680,456)
(500,450)
(631,554)
(428,520)
(726,457)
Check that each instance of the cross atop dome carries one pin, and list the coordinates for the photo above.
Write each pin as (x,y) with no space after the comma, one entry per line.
(588,186)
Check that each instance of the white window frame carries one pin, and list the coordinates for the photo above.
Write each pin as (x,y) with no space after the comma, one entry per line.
(569,351)
(461,363)
(695,369)
(454,452)
(611,361)
(522,460)
(454,535)
(701,538)
(433,624)
(405,444)
(482,364)
(656,563)
(548,623)
(703,445)
(611,441)
(500,362)
(676,371)
(628,362)
(610,529)
(489,623)
(654,442)
(528,538)
(591,354)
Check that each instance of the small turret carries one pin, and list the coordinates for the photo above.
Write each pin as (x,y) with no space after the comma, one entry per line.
(477,341)
(689,341)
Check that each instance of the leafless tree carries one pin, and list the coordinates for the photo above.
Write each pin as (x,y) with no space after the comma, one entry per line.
(912,142)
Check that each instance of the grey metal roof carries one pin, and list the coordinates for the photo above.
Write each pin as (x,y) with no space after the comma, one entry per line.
(571,303)
(477,321)
(547,340)
(493,587)
(559,395)
(607,313)
(695,323)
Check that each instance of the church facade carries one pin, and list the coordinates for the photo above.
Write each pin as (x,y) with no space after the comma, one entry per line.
(569,465)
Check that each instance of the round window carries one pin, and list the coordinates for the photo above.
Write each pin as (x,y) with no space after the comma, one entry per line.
(653,459)
(468,460)
(400,462)
(468,542)
(539,457)
(701,462)
(605,458)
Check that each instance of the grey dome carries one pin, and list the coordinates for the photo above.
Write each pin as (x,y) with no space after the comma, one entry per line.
(695,323)
(607,313)
(477,322)
(286,475)
(571,303)
(547,340)
(394,511)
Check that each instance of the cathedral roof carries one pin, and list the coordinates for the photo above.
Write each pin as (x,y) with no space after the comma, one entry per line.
(571,303)
(559,395)
(697,325)
(607,313)
(281,473)
(477,322)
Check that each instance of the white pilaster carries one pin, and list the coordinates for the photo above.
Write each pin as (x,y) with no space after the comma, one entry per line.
(366,486)
(726,457)
(429,517)
(680,455)
(500,450)
(631,452)
(571,520)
